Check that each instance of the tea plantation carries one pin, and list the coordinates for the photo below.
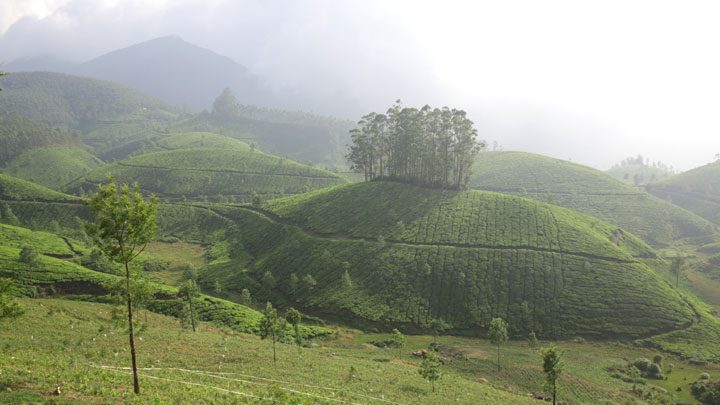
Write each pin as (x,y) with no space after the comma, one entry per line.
(696,190)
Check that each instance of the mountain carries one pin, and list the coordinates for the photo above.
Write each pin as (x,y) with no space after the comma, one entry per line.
(590,191)
(697,190)
(383,253)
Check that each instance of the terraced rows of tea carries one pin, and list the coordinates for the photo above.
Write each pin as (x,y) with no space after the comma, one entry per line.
(588,286)
(53,167)
(207,172)
(696,190)
(589,191)
(12,188)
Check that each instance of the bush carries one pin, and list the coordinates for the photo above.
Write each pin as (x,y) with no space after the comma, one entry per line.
(658,359)
(704,376)
(654,371)
(155,265)
(642,364)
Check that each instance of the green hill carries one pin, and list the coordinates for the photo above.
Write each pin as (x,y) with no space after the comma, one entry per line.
(12,188)
(76,102)
(587,190)
(53,167)
(18,134)
(415,254)
(212,173)
(696,190)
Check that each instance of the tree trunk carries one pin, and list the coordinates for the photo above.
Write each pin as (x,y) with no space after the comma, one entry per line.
(192,313)
(433,385)
(274,357)
(498,362)
(136,381)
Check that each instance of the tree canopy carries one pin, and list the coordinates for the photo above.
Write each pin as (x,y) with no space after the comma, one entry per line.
(428,146)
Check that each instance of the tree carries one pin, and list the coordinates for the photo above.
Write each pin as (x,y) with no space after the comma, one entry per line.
(29,256)
(189,272)
(532,340)
(677,266)
(245,297)
(189,291)
(552,367)
(218,287)
(268,281)
(272,326)
(438,327)
(498,334)
(309,282)
(346,280)
(294,281)
(226,105)
(293,316)
(430,368)
(397,339)
(8,216)
(9,309)
(124,224)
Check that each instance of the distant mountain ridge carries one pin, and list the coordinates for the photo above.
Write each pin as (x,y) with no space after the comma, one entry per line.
(168,68)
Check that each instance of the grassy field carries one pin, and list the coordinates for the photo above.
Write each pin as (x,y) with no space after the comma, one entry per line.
(85,355)
(590,191)
(12,188)
(53,167)
(177,255)
(696,190)
(210,173)
(462,257)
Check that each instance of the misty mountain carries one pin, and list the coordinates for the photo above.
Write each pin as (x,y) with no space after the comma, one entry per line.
(168,68)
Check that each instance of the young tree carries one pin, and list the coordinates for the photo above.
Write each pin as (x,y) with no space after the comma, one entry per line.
(293,316)
(245,297)
(677,266)
(498,334)
(430,368)
(189,291)
(124,224)
(438,327)
(189,272)
(294,281)
(346,280)
(218,287)
(532,340)
(397,339)
(272,326)
(552,367)
(309,282)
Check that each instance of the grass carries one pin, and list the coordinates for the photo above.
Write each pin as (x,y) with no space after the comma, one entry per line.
(53,167)
(210,173)
(85,352)
(590,191)
(463,257)
(696,190)
(177,255)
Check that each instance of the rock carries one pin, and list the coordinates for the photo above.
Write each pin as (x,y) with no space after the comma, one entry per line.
(57,391)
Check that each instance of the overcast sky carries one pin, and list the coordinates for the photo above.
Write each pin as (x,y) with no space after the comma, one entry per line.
(591,81)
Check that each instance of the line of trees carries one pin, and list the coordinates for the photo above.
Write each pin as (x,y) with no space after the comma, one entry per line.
(428,146)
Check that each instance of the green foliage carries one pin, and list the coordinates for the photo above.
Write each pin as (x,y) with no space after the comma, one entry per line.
(706,392)
(9,309)
(434,147)
(293,317)
(12,188)
(245,297)
(552,366)
(533,340)
(397,339)
(498,335)
(430,368)
(589,191)
(189,292)
(268,281)
(18,134)
(272,326)
(29,256)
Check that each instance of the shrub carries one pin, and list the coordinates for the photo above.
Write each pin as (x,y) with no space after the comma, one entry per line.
(704,376)
(658,359)
(642,364)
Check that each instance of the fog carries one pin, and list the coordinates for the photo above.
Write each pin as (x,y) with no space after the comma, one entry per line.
(594,82)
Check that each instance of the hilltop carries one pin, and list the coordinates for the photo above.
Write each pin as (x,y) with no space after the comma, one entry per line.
(587,190)
(697,190)
(53,167)
(414,254)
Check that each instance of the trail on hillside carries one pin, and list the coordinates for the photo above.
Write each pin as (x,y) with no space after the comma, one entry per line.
(342,236)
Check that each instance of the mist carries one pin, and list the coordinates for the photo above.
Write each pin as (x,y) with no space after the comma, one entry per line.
(590,82)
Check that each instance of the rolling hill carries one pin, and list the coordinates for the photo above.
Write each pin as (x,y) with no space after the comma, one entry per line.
(53,167)
(77,102)
(589,191)
(12,188)
(206,172)
(415,254)
(696,190)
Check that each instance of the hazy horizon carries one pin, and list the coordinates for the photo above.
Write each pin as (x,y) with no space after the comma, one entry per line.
(594,83)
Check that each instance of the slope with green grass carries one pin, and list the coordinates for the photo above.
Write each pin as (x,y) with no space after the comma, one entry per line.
(12,188)
(696,190)
(53,167)
(415,254)
(199,173)
(590,191)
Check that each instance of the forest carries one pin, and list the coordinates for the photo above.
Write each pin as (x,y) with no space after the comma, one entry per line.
(427,146)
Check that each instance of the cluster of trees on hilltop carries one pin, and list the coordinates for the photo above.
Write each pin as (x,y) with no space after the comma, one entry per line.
(428,146)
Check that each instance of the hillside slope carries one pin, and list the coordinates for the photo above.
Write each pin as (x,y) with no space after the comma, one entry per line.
(53,167)
(587,190)
(12,188)
(415,254)
(696,190)
(199,173)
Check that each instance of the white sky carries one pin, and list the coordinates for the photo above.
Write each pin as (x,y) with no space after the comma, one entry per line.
(595,81)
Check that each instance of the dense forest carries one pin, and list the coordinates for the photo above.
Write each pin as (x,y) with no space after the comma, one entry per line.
(428,146)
